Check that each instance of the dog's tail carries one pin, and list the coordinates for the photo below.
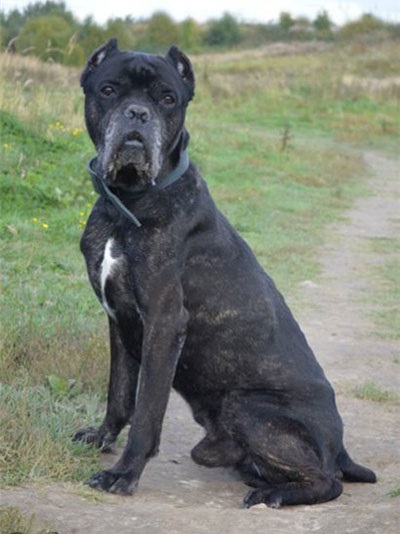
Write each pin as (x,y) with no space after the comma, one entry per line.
(353,472)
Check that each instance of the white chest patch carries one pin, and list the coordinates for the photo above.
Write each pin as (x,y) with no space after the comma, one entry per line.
(107,270)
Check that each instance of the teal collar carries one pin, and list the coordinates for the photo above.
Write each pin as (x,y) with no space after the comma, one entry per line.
(104,191)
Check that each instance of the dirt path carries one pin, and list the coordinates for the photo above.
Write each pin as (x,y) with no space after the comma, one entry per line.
(176,496)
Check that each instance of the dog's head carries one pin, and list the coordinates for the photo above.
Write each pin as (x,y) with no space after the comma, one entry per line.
(135,106)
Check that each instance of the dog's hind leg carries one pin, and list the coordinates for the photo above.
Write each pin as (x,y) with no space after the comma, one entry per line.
(288,464)
(124,372)
(217,451)
(217,448)
(290,493)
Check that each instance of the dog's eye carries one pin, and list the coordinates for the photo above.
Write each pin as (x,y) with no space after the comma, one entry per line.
(168,100)
(107,90)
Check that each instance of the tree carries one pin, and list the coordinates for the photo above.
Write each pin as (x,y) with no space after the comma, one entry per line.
(223,32)
(123,29)
(286,21)
(13,22)
(39,9)
(322,22)
(190,35)
(46,37)
(91,36)
(161,31)
(11,25)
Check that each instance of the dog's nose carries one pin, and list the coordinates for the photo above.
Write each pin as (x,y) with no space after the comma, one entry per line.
(136,112)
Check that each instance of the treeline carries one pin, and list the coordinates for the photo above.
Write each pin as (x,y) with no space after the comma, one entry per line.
(50,31)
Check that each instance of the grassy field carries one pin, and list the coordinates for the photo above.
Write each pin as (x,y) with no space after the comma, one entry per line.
(278,139)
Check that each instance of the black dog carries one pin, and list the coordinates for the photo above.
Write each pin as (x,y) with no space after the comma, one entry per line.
(189,306)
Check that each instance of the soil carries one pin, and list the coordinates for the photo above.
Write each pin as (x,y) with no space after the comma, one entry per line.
(177,496)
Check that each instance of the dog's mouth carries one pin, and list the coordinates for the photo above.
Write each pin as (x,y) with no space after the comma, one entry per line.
(128,160)
(131,154)
(134,140)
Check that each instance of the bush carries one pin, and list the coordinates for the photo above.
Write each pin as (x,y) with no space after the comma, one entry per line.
(365,27)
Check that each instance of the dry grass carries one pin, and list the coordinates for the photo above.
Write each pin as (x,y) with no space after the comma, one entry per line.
(41,93)
(288,67)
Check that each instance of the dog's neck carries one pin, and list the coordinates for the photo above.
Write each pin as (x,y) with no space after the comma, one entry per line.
(104,191)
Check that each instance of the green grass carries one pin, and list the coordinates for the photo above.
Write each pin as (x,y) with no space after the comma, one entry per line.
(267,133)
(36,427)
(372,392)
(395,492)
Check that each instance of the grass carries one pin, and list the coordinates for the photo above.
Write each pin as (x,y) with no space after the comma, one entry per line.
(40,94)
(279,201)
(395,492)
(307,92)
(36,427)
(372,392)
(386,286)
(13,520)
(387,316)
(271,135)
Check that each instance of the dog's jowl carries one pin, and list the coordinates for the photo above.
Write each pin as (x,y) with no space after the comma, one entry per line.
(189,306)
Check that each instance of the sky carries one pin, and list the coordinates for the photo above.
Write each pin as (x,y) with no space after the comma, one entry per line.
(340,11)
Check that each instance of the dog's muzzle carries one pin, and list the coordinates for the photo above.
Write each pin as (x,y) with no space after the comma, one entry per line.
(132,140)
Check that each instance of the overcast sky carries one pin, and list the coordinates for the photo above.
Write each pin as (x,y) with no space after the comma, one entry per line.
(246,10)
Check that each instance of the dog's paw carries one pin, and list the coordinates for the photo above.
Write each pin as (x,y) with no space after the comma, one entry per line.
(87,435)
(268,496)
(93,436)
(113,482)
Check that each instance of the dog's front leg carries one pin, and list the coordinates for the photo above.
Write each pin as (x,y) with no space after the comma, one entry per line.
(124,369)
(164,327)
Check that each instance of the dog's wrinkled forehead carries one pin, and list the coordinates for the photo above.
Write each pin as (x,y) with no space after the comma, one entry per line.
(139,70)
(139,67)
(142,67)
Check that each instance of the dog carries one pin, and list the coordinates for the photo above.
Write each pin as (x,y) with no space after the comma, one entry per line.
(189,306)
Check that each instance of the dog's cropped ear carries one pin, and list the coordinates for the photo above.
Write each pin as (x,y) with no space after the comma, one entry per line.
(184,67)
(98,56)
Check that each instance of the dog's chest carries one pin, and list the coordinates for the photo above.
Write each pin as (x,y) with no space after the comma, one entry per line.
(111,278)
